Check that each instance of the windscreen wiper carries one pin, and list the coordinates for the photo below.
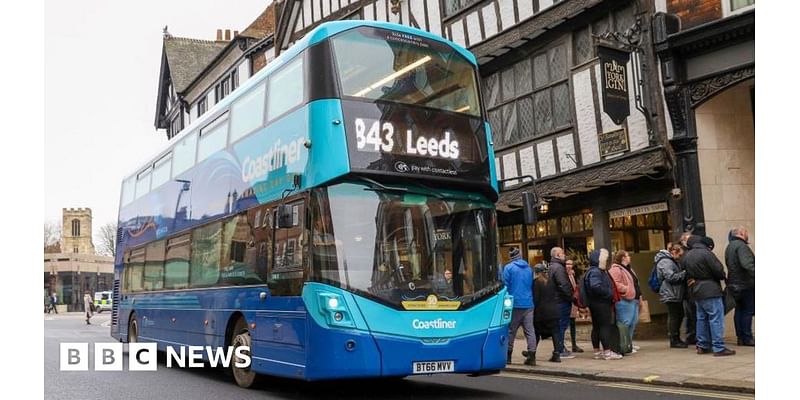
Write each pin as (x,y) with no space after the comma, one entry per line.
(382,186)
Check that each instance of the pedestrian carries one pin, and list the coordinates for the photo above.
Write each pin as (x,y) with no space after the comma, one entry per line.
(600,299)
(54,302)
(626,282)
(741,263)
(87,307)
(704,273)
(570,264)
(557,272)
(518,277)
(689,308)
(672,291)
(546,319)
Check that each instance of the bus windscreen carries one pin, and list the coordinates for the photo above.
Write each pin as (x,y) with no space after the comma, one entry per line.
(393,66)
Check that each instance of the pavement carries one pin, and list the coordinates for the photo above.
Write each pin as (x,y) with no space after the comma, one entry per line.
(654,363)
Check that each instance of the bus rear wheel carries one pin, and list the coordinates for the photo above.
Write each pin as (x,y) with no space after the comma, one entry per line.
(244,377)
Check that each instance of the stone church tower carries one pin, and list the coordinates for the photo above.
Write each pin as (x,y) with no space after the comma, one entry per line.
(76,231)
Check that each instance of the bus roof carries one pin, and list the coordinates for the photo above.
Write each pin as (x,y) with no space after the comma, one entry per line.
(318,34)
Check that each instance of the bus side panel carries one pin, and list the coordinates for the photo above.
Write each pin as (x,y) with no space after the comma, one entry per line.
(279,339)
(495,348)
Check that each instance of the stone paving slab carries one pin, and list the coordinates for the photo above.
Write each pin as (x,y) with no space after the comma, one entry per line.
(654,363)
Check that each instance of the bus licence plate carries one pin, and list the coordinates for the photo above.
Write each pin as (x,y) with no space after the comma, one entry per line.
(433,367)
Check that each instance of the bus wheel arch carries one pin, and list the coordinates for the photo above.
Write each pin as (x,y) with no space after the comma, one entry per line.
(238,334)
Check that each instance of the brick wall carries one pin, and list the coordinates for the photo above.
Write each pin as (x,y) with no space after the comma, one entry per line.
(695,12)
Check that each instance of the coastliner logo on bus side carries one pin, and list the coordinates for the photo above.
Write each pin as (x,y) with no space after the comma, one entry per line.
(278,156)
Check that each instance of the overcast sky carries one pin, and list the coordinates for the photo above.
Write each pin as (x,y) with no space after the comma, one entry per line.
(102,62)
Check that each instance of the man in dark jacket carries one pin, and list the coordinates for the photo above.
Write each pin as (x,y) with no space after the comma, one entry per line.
(518,277)
(704,273)
(546,319)
(741,264)
(557,271)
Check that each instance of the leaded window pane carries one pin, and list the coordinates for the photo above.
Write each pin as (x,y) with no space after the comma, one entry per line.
(526,127)
(583,46)
(509,123)
(561,114)
(600,26)
(543,112)
(496,122)
(623,19)
(508,84)
(522,73)
(540,74)
(492,89)
(558,63)
(566,226)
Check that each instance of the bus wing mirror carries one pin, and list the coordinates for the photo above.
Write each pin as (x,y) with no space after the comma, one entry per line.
(285,216)
(529,214)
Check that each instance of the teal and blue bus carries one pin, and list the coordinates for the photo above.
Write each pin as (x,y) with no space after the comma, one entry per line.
(334,214)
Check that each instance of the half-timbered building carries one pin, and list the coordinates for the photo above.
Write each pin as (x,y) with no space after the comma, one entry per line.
(196,74)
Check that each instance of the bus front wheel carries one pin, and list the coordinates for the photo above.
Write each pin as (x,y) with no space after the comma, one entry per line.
(133,330)
(245,377)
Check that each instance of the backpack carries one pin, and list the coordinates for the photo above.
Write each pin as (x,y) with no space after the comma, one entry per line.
(653,281)
(579,296)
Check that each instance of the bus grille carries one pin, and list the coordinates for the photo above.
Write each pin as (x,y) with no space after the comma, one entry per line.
(115,304)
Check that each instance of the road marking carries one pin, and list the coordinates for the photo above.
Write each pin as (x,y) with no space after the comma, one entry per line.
(534,377)
(686,392)
(649,379)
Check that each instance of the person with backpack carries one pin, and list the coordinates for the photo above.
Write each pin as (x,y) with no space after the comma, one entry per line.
(671,279)
(597,292)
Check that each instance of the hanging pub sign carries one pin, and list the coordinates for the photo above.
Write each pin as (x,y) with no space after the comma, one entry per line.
(614,73)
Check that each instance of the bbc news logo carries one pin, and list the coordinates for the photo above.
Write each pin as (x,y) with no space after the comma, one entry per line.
(143,356)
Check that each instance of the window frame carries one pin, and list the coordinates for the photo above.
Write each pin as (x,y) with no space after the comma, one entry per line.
(729,11)
(565,43)
(273,75)
(165,159)
(240,100)
(219,122)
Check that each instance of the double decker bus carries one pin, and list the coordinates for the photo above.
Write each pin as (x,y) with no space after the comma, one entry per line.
(334,215)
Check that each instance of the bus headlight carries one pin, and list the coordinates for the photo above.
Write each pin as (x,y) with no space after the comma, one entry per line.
(508,304)
(335,310)
(333,303)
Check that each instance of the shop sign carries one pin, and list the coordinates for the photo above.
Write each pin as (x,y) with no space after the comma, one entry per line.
(613,142)
(638,210)
(614,73)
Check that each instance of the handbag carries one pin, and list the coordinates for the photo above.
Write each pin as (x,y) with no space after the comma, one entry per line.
(625,345)
(644,311)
